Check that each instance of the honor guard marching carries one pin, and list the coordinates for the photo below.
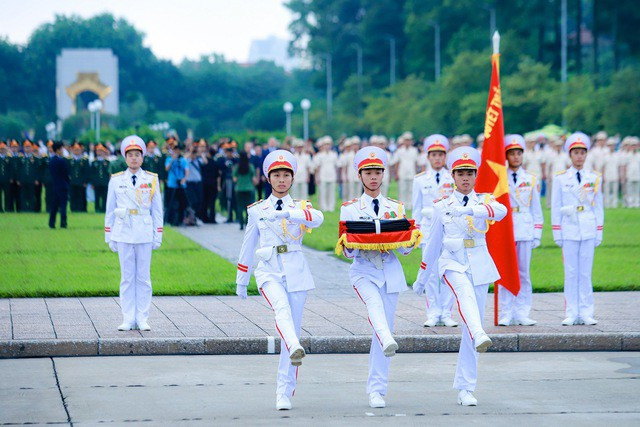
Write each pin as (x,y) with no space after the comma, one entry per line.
(457,252)
(376,275)
(429,187)
(524,196)
(100,177)
(577,218)
(273,236)
(133,228)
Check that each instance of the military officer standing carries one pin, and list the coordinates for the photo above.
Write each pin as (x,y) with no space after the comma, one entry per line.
(325,164)
(405,160)
(376,276)
(429,187)
(133,227)
(524,195)
(274,235)
(303,159)
(577,218)
(457,252)
(79,166)
(14,187)
(154,161)
(45,174)
(5,176)
(100,177)
(28,176)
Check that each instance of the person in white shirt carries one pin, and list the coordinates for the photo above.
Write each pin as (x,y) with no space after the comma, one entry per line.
(611,175)
(598,153)
(556,161)
(325,164)
(300,189)
(632,172)
(405,161)
(350,183)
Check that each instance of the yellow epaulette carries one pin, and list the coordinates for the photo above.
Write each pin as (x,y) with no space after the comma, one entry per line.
(255,203)
(152,173)
(420,174)
(395,201)
(117,174)
(561,172)
(349,202)
(440,199)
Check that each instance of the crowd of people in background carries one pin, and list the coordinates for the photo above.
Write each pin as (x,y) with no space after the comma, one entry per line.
(200,178)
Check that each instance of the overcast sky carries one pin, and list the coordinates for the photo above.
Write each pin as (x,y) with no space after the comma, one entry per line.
(174,29)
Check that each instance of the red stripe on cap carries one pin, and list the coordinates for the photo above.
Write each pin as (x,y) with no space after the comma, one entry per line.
(513,147)
(370,162)
(464,163)
(436,147)
(577,144)
(280,165)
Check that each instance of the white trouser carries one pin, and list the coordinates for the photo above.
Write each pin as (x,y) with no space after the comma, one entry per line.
(351,190)
(519,307)
(300,190)
(135,281)
(327,196)
(439,298)
(633,194)
(288,307)
(548,192)
(578,290)
(611,194)
(471,301)
(381,307)
(405,188)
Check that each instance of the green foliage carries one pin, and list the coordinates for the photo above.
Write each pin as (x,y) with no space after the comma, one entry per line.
(267,115)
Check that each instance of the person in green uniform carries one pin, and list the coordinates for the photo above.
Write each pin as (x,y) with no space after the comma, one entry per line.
(154,161)
(79,166)
(244,178)
(118,164)
(14,188)
(45,175)
(28,176)
(100,177)
(37,193)
(5,176)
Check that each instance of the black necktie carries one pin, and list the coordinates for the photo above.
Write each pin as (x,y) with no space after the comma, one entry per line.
(133,179)
(515,177)
(465,200)
(376,207)
(279,205)
(578,176)
(437,177)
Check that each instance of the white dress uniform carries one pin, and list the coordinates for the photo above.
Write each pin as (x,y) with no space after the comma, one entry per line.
(611,176)
(428,187)
(556,161)
(324,165)
(577,218)
(133,226)
(300,188)
(377,277)
(632,174)
(457,242)
(274,237)
(524,196)
(350,183)
(406,160)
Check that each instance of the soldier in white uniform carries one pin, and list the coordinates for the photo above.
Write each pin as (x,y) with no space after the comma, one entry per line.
(274,236)
(350,182)
(428,187)
(381,141)
(377,277)
(632,172)
(457,242)
(325,164)
(300,188)
(133,228)
(556,161)
(611,175)
(405,160)
(577,218)
(524,195)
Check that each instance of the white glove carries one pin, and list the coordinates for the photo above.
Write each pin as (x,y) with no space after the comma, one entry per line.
(155,245)
(536,243)
(418,288)
(461,210)
(558,242)
(113,246)
(278,215)
(241,291)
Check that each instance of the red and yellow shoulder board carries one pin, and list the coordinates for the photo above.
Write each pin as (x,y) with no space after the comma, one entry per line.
(441,198)
(420,174)
(349,202)
(151,173)
(560,172)
(253,204)
(117,174)
(395,201)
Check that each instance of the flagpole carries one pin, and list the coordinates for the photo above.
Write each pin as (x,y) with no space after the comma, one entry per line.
(496,51)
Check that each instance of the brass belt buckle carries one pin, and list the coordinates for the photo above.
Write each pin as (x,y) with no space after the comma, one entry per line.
(516,209)
(580,208)
(469,243)
(133,211)
(282,249)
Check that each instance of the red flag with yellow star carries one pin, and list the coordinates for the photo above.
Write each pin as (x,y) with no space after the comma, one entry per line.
(492,178)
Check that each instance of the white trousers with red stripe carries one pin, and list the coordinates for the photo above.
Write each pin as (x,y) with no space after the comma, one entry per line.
(471,301)
(578,289)
(439,298)
(287,307)
(519,307)
(135,281)
(381,308)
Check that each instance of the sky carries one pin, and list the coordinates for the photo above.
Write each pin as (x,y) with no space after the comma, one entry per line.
(198,27)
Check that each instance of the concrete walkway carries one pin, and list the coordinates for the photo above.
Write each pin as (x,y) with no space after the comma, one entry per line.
(335,321)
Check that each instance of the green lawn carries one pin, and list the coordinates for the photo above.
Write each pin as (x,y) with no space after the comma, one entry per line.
(40,262)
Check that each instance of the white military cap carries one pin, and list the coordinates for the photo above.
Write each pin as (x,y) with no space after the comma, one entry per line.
(480,137)
(611,141)
(370,158)
(464,157)
(406,136)
(577,140)
(279,159)
(133,142)
(325,140)
(513,141)
(355,140)
(347,142)
(297,142)
(601,135)
(436,142)
(466,139)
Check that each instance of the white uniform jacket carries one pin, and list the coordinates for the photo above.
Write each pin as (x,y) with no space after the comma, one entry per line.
(277,248)
(134,214)
(577,212)
(458,243)
(426,191)
(375,266)
(524,196)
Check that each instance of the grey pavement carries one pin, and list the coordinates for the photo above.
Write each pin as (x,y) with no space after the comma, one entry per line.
(568,389)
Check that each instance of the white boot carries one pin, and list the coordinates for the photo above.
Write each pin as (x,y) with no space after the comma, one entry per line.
(590,321)
(465,398)
(296,353)
(390,347)
(568,321)
(144,326)
(482,343)
(449,322)
(376,400)
(126,327)
(504,321)
(282,403)
(525,322)
(431,322)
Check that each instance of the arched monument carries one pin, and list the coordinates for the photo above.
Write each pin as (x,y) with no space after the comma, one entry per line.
(83,75)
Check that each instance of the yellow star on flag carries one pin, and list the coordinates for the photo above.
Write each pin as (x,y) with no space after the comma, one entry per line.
(502,187)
